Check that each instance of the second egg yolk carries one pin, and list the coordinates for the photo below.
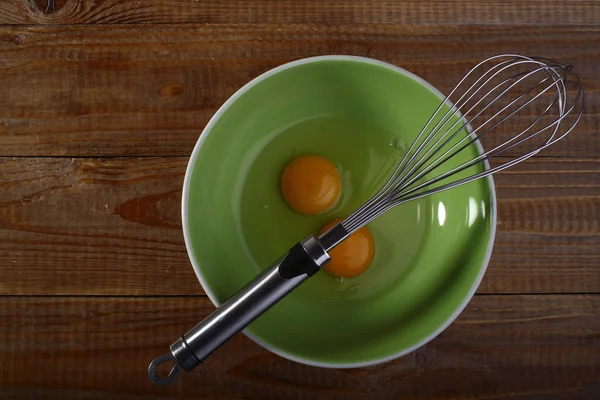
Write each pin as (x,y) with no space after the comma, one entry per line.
(311,184)
(353,256)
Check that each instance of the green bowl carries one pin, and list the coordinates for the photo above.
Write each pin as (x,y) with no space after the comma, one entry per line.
(430,254)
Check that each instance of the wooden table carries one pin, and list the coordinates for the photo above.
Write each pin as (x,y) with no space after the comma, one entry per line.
(101,103)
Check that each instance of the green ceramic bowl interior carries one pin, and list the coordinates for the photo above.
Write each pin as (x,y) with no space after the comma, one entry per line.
(361,114)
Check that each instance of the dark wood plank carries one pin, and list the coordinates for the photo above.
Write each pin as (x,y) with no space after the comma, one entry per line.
(402,12)
(129,90)
(548,227)
(113,226)
(93,226)
(501,347)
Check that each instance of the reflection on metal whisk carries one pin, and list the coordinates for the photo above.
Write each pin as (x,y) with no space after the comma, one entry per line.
(494,97)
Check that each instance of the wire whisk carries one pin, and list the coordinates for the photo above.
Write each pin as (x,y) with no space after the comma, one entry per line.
(514,105)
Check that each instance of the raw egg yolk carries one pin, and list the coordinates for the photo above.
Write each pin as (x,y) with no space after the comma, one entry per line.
(353,256)
(311,184)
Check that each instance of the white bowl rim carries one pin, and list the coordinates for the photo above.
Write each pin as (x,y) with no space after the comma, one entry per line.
(186,186)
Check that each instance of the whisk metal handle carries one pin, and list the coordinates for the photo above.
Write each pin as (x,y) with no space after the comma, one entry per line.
(302,261)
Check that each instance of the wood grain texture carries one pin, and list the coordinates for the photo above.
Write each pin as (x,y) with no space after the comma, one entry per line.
(401,12)
(139,91)
(500,347)
(113,226)
(95,224)
(106,80)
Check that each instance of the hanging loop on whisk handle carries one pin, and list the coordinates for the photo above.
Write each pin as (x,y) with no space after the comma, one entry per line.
(302,261)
